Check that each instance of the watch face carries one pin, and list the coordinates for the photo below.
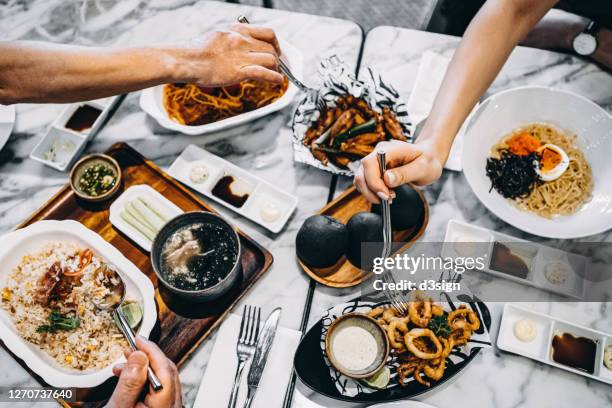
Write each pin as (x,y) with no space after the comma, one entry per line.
(585,44)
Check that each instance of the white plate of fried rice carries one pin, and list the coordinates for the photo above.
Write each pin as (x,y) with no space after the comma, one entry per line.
(81,356)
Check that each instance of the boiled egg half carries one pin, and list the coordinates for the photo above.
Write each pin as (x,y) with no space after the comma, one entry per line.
(552,163)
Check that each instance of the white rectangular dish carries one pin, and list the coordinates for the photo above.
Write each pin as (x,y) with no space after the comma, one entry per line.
(536,257)
(16,244)
(540,348)
(161,203)
(60,146)
(266,204)
(152,101)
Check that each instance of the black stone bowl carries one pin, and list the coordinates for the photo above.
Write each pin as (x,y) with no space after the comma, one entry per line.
(183,220)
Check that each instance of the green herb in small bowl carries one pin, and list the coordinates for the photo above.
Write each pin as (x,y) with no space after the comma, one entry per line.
(95,177)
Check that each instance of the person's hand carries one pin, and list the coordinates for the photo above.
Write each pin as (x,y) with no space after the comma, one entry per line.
(227,57)
(419,163)
(133,377)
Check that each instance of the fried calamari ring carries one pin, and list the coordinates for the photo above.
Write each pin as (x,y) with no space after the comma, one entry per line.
(437,310)
(419,312)
(389,314)
(414,334)
(417,375)
(406,369)
(397,325)
(460,336)
(436,372)
(374,313)
(465,315)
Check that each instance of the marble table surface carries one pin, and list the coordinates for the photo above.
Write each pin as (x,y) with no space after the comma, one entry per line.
(263,147)
(495,379)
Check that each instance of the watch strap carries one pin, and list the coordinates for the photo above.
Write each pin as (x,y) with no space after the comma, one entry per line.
(592,28)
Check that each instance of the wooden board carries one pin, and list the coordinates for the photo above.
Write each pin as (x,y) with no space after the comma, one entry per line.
(344,274)
(181,327)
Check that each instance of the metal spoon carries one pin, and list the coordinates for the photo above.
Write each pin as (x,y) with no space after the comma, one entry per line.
(112,302)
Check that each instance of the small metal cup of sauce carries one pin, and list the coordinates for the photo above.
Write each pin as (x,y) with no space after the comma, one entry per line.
(356,345)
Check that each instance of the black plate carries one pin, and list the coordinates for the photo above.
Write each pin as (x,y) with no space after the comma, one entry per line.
(310,366)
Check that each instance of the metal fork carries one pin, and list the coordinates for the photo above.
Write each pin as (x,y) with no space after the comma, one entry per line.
(245,347)
(315,94)
(397,299)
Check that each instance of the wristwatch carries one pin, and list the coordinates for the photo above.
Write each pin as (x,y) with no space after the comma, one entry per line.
(585,43)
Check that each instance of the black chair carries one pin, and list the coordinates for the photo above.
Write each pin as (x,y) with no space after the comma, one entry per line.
(265,3)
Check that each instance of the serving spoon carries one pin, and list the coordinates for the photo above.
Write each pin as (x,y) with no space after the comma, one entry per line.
(112,302)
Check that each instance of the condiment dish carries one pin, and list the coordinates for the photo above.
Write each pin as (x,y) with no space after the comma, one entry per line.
(369,325)
(79,169)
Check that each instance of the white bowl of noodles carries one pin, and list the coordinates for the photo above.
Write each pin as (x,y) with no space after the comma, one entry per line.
(579,204)
(152,102)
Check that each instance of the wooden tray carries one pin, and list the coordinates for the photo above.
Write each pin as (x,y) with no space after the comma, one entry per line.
(181,327)
(344,274)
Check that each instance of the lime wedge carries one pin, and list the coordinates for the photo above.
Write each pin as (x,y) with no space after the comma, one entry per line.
(379,380)
(132,312)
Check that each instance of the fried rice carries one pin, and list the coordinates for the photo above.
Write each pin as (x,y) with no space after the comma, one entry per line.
(96,342)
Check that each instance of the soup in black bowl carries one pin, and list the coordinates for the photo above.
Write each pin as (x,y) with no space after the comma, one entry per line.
(197,256)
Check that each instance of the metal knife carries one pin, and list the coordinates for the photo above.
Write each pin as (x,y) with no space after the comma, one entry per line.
(261,354)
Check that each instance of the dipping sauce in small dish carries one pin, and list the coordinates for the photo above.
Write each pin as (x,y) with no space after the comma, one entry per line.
(269,212)
(198,256)
(96,177)
(525,330)
(356,345)
(355,348)
(198,174)
(607,359)
(504,260)
(83,118)
(575,352)
(232,190)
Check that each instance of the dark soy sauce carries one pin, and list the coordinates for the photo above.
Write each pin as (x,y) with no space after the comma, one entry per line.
(503,260)
(575,352)
(198,256)
(83,118)
(223,190)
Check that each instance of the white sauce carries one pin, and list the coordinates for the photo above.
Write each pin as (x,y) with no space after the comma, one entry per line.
(199,174)
(354,348)
(466,245)
(525,330)
(557,272)
(269,212)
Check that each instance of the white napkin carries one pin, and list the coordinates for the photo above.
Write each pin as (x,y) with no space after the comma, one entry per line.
(216,385)
(429,78)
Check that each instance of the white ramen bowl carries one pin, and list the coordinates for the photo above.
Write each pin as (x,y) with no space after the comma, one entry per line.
(151,101)
(35,237)
(505,111)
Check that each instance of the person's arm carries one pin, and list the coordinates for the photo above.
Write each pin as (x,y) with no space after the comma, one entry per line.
(486,45)
(44,72)
(557,30)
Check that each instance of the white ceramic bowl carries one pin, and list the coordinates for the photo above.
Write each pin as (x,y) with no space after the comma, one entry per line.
(151,101)
(33,238)
(7,120)
(507,110)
